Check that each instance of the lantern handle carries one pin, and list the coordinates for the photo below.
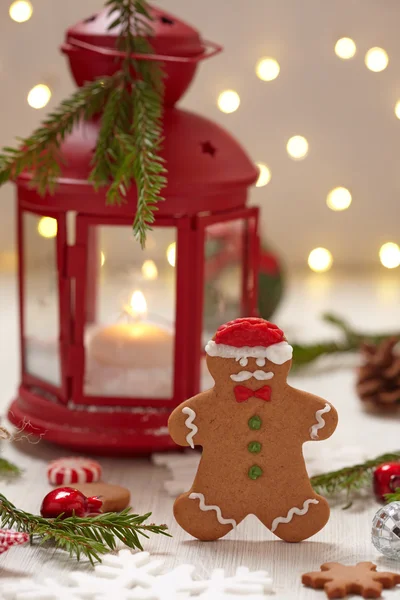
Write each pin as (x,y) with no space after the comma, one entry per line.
(210,49)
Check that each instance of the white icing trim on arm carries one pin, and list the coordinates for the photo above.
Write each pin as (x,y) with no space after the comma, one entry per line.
(190,425)
(217,509)
(320,421)
(277,353)
(293,511)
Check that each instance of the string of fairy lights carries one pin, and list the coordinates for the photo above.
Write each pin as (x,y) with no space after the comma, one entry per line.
(267,69)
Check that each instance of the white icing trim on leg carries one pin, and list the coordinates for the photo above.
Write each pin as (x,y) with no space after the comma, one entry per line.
(293,511)
(190,425)
(217,509)
(320,421)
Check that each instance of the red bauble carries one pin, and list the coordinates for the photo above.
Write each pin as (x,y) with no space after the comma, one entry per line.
(67,502)
(386,479)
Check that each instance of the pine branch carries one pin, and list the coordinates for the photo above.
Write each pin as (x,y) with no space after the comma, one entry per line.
(350,479)
(148,166)
(39,153)
(139,146)
(8,469)
(148,93)
(394,497)
(87,536)
(304,354)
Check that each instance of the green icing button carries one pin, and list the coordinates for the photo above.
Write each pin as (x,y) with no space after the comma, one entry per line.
(254,447)
(255,472)
(255,422)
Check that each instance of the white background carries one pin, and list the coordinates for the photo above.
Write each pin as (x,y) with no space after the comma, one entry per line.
(344,110)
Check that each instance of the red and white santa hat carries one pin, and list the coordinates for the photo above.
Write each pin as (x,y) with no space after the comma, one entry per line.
(250,337)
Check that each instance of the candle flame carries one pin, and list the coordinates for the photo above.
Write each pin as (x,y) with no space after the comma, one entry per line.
(138,304)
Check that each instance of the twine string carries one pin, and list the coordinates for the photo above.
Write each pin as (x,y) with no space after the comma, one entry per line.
(4,434)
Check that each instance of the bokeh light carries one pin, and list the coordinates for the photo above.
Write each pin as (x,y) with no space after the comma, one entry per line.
(171,254)
(297,147)
(345,48)
(47,227)
(149,270)
(397,109)
(265,175)
(339,199)
(389,255)
(376,59)
(20,11)
(267,69)
(228,101)
(320,260)
(39,96)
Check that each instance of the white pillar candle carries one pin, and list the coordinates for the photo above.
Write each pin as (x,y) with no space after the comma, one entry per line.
(132,358)
(136,345)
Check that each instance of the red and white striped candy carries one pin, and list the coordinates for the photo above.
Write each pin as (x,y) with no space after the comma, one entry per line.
(73,470)
(11,538)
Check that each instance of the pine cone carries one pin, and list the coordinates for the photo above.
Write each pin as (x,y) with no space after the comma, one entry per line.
(378,379)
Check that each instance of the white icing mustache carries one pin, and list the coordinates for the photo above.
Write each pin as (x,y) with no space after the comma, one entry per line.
(245,375)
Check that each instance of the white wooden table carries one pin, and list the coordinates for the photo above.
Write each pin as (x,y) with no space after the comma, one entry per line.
(370,303)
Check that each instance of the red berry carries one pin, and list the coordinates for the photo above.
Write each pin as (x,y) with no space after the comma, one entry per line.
(386,479)
(94,504)
(67,502)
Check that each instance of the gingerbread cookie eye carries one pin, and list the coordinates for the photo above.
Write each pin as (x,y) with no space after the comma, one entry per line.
(260,362)
(243,362)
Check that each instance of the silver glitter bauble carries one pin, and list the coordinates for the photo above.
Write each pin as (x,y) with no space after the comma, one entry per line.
(386,530)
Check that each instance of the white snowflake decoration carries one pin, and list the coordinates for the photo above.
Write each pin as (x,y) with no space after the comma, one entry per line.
(138,576)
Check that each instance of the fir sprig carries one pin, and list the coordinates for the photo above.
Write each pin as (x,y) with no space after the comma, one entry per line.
(128,148)
(82,536)
(8,468)
(350,479)
(394,496)
(39,153)
(138,142)
(304,354)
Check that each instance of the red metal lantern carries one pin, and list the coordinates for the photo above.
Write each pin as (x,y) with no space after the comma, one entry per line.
(108,350)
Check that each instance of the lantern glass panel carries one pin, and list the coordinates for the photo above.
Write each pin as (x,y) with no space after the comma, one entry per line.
(225,266)
(228,277)
(131,300)
(41,316)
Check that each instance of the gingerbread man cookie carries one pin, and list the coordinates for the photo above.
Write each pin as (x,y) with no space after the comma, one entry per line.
(252,426)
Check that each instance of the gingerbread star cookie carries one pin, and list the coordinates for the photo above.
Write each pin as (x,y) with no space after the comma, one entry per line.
(339,580)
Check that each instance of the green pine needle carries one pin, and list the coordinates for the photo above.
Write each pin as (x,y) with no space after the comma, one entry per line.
(82,536)
(137,129)
(350,479)
(39,153)
(304,354)
(394,496)
(128,148)
(8,469)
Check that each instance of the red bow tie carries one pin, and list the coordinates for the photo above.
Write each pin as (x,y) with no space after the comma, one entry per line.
(243,393)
